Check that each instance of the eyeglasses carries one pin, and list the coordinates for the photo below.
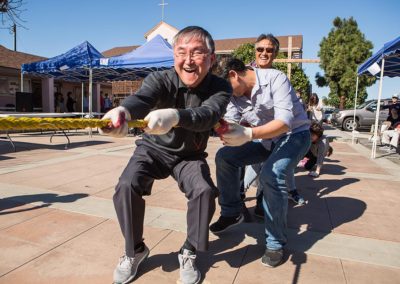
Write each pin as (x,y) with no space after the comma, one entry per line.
(266,49)
(195,55)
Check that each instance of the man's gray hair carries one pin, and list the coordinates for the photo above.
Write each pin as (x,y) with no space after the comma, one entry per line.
(271,38)
(196,32)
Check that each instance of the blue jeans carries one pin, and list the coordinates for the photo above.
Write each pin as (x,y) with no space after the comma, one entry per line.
(251,175)
(278,164)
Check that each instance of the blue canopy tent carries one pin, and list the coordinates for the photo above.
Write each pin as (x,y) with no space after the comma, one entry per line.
(385,62)
(156,54)
(84,63)
(74,65)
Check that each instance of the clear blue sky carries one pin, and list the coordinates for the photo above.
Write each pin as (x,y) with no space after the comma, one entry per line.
(54,26)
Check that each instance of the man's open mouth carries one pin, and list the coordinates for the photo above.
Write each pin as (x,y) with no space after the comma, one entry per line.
(189,70)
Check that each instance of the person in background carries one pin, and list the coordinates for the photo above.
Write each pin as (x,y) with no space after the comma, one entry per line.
(57,102)
(70,103)
(395,104)
(61,102)
(115,101)
(390,137)
(314,109)
(107,103)
(298,95)
(319,149)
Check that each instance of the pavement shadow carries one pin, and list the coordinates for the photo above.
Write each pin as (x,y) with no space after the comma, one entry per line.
(28,146)
(47,199)
(334,169)
(312,222)
(167,261)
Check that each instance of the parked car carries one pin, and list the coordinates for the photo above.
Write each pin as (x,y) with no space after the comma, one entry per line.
(328,112)
(365,115)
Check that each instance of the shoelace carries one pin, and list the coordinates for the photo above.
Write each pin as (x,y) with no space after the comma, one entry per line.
(125,262)
(188,258)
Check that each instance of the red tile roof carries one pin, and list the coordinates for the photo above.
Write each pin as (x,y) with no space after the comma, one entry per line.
(221,45)
(119,50)
(14,59)
(230,44)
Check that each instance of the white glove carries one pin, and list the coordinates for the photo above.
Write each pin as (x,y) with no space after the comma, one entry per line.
(237,135)
(161,121)
(119,126)
(313,174)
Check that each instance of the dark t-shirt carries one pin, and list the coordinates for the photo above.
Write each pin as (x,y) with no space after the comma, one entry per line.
(393,121)
(70,104)
(392,105)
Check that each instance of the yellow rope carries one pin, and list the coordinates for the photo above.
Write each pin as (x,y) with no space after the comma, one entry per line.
(29,123)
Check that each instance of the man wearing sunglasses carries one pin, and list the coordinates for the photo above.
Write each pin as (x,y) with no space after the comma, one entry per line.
(267,48)
(181,106)
(279,140)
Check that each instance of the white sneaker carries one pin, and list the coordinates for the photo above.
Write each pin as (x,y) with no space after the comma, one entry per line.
(188,271)
(128,266)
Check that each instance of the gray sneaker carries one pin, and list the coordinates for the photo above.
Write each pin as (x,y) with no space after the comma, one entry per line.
(188,271)
(128,266)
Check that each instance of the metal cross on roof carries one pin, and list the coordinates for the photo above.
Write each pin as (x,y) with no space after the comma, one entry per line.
(162,9)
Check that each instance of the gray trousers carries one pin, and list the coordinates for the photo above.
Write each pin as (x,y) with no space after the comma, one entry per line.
(148,164)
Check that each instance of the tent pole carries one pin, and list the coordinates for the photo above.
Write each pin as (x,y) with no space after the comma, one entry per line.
(82,93)
(90,97)
(354,115)
(378,109)
(22,82)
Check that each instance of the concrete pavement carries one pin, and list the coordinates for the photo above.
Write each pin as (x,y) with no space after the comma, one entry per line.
(57,223)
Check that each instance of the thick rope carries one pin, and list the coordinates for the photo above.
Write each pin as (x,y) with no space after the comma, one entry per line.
(30,123)
(33,123)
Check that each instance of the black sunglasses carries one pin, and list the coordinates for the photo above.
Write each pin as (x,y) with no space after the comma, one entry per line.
(267,49)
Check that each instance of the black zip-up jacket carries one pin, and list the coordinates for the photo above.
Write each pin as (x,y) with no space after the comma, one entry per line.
(199,109)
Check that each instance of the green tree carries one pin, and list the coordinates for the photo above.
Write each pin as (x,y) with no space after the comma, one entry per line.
(245,52)
(299,79)
(341,52)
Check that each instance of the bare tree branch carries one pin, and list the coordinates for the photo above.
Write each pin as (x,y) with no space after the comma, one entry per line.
(11,11)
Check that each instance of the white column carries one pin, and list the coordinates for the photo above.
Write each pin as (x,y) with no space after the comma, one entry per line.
(354,114)
(96,97)
(90,92)
(48,95)
(82,95)
(378,110)
(22,82)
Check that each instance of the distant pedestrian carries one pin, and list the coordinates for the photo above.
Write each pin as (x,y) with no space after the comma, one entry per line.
(107,103)
(319,149)
(314,110)
(70,103)
(101,102)
(394,104)
(61,102)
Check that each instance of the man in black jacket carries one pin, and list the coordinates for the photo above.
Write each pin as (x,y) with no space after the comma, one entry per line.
(181,106)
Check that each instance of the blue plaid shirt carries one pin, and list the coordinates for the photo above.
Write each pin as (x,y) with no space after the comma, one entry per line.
(272,97)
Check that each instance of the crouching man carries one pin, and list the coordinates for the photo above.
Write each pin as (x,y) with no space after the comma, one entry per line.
(279,140)
(181,106)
